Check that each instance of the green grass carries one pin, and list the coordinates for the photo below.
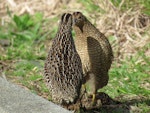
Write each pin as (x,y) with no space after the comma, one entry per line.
(27,50)
(127,79)
(134,3)
(90,6)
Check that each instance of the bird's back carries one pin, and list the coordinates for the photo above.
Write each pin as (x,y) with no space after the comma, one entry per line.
(94,49)
(63,68)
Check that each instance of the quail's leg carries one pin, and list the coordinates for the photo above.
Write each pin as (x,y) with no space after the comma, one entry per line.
(93,98)
(92,84)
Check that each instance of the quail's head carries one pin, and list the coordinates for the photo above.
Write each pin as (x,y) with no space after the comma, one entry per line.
(78,19)
(66,19)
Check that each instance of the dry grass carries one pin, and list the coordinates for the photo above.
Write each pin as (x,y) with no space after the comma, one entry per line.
(126,27)
(49,8)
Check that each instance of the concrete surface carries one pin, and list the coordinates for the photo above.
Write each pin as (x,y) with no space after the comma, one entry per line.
(14,99)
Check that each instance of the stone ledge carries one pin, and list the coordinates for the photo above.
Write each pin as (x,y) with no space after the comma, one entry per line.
(14,99)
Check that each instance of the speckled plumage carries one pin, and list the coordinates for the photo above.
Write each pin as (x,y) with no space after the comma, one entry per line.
(94,50)
(63,68)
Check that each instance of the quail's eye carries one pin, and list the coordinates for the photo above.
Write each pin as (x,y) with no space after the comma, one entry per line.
(79,17)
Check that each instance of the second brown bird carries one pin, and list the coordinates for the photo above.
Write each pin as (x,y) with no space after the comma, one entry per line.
(95,52)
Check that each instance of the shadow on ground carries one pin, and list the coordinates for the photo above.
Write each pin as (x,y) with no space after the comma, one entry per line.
(120,105)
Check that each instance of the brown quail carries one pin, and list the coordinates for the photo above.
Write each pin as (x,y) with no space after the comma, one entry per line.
(63,68)
(95,52)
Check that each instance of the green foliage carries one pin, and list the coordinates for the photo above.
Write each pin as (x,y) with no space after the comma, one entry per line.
(90,6)
(26,36)
(25,33)
(146,4)
(130,75)
(23,22)
(134,3)
(27,27)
